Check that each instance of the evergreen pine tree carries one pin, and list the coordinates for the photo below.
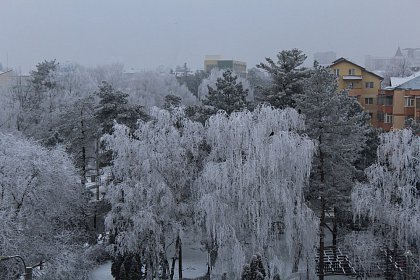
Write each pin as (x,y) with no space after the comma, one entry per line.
(229,95)
(113,105)
(41,78)
(338,125)
(171,102)
(287,78)
(255,270)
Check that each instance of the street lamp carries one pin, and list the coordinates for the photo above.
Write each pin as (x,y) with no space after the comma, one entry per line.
(27,269)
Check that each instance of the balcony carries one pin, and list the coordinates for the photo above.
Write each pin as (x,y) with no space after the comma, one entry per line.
(355,91)
(352,77)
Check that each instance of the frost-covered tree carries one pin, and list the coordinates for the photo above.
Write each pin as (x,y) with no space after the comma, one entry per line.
(114,106)
(390,199)
(228,95)
(260,82)
(287,76)
(251,190)
(338,125)
(214,76)
(154,172)
(193,82)
(42,207)
(172,102)
(110,73)
(396,68)
(254,270)
(223,91)
(79,131)
(42,79)
(149,88)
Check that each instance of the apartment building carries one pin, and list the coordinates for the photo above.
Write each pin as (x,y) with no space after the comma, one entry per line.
(360,83)
(399,102)
(216,61)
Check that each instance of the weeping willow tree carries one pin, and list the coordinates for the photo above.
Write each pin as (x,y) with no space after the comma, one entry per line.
(151,194)
(250,192)
(390,200)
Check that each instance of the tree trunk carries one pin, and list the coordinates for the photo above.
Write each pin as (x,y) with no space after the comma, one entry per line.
(298,251)
(82,125)
(322,219)
(296,258)
(171,276)
(335,233)
(321,240)
(98,177)
(95,218)
(179,246)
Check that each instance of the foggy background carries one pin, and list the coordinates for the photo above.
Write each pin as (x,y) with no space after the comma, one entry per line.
(147,34)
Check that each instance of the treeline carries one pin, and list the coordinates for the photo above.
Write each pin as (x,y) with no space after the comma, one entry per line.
(248,165)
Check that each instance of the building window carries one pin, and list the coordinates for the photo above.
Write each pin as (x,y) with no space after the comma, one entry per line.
(352,71)
(380,116)
(369,100)
(388,118)
(409,102)
(336,72)
(385,100)
(369,84)
(350,85)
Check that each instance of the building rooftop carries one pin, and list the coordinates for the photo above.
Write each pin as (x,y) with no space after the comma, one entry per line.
(410,82)
(342,59)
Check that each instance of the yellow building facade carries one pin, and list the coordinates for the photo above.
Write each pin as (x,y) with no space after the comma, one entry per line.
(359,82)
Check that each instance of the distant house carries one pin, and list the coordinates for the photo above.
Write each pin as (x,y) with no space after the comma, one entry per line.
(10,78)
(360,83)
(399,102)
(6,78)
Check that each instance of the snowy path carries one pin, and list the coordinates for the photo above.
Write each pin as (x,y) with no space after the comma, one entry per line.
(102,272)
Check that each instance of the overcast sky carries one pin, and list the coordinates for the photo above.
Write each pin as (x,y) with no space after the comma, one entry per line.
(146,34)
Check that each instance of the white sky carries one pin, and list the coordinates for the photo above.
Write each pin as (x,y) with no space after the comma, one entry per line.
(145,34)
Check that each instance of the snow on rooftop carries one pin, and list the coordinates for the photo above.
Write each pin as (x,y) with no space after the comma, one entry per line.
(397,81)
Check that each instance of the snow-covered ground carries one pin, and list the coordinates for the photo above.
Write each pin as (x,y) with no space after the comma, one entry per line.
(102,272)
(194,263)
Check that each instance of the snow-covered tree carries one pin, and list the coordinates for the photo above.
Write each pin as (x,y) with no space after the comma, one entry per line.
(149,88)
(114,106)
(110,73)
(214,76)
(390,199)
(251,190)
(42,79)
(228,94)
(260,82)
(193,81)
(338,125)
(154,171)
(42,206)
(254,270)
(396,68)
(287,78)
